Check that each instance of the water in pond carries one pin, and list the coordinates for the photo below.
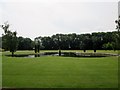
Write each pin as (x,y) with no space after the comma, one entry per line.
(64,54)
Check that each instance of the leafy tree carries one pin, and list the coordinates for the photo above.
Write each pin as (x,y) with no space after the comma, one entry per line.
(108,46)
(84,42)
(47,42)
(57,39)
(118,34)
(37,45)
(114,47)
(25,43)
(9,39)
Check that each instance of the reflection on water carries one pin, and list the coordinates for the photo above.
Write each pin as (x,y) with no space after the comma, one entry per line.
(64,54)
(37,55)
(32,56)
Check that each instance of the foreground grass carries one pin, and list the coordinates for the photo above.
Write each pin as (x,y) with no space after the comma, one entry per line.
(60,72)
(0,70)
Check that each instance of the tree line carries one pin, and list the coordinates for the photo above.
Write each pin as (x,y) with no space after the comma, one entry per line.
(94,41)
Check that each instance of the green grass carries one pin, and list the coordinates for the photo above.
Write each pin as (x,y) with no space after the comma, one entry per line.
(60,72)
(0,69)
(41,51)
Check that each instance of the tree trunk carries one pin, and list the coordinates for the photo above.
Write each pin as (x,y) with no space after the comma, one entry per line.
(38,48)
(59,52)
(84,50)
(12,54)
(94,50)
(35,49)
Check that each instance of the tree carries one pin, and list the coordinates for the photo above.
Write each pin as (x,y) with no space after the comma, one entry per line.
(57,39)
(114,47)
(84,42)
(59,43)
(9,39)
(37,45)
(25,43)
(118,34)
(108,46)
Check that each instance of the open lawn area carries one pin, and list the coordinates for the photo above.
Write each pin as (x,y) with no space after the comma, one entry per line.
(0,69)
(59,72)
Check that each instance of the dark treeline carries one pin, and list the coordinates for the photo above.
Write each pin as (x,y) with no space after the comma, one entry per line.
(94,41)
(25,43)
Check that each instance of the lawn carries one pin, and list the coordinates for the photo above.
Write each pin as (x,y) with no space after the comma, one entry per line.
(0,69)
(87,51)
(59,72)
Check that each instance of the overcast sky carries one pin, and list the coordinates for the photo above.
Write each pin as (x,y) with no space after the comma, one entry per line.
(48,17)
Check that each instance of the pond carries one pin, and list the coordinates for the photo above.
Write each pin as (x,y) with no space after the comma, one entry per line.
(65,54)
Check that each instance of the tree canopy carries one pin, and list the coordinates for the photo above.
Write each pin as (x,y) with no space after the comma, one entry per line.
(94,41)
(9,39)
